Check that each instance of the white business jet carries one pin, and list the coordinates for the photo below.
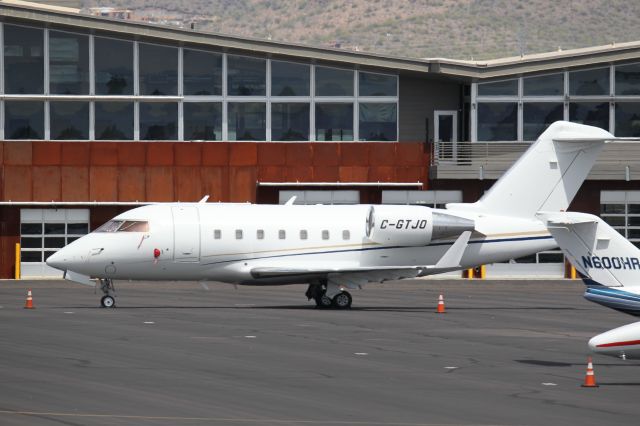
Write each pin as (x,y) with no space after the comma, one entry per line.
(611,267)
(335,248)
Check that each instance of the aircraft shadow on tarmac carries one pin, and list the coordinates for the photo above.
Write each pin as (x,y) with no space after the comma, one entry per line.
(544,363)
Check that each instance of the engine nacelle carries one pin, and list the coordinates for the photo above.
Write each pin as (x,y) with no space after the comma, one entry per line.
(412,225)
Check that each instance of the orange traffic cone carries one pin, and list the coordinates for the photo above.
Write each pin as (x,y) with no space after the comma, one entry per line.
(590,378)
(440,309)
(29,303)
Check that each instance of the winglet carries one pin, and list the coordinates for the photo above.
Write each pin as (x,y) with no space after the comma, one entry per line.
(204,199)
(291,200)
(451,259)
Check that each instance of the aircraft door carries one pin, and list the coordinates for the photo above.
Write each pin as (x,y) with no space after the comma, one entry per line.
(186,233)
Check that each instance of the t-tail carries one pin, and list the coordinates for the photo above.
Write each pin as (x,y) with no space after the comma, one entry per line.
(547,176)
(609,263)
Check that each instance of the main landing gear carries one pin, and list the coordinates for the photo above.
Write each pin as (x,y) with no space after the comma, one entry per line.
(108,300)
(328,297)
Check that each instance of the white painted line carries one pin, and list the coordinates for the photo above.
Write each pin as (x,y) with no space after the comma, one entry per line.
(149,322)
(549,384)
(250,337)
(68,312)
(451,368)
(361,353)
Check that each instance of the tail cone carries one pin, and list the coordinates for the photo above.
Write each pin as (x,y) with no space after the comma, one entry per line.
(29,303)
(590,378)
(440,309)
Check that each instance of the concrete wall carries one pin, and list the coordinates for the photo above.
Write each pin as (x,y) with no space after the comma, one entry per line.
(418,99)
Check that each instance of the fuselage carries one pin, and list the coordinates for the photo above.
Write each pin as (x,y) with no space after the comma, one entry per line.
(225,242)
(620,342)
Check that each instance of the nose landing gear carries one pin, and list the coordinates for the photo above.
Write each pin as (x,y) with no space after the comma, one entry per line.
(108,300)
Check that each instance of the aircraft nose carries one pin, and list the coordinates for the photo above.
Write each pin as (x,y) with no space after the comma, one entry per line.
(57,260)
(593,344)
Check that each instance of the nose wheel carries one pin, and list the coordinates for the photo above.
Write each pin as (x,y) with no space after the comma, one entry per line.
(108,300)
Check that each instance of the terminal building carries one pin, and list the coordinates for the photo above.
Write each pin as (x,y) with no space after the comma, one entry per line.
(99,115)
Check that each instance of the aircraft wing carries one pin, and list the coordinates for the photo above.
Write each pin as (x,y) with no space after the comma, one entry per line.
(355,277)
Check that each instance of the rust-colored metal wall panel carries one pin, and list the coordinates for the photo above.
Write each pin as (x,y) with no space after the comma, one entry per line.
(382,154)
(75,183)
(411,154)
(2,152)
(326,154)
(271,174)
(242,184)
(188,184)
(9,237)
(272,154)
(18,153)
(326,174)
(411,174)
(100,215)
(159,153)
(382,174)
(104,154)
(243,154)
(354,154)
(159,183)
(103,184)
(76,153)
(187,154)
(46,183)
(215,183)
(46,153)
(17,183)
(354,174)
(299,173)
(299,154)
(132,154)
(131,184)
(215,154)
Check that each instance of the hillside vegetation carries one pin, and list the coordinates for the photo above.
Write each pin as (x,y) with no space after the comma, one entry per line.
(461,29)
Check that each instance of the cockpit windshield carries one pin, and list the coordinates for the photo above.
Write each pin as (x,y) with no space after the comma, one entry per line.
(124,226)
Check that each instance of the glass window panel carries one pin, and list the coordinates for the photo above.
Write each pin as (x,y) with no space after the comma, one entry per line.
(378,122)
(238,234)
(538,116)
(377,84)
(31,242)
(526,259)
(346,235)
(260,234)
(69,120)
(158,70)
(113,66)
(217,234)
(114,120)
(246,76)
(628,79)
(202,121)
(634,208)
(497,121)
(612,208)
(71,239)
(334,122)
(290,121)
(325,235)
(499,88)
(158,121)
(202,73)
(627,119)
(544,85)
(591,113)
(30,228)
(282,234)
(68,63)
(633,233)
(589,82)
(550,258)
(614,220)
(23,120)
(334,82)
(54,228)
(634,221)
(23,60)
(289,79)
(31,256)
(48,253)
(78,228)
(303,234)
(247,121)
(54,242)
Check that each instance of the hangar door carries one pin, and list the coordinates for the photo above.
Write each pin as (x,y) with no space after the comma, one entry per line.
(186,233)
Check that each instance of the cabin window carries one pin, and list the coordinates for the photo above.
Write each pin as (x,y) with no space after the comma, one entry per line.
(282,234)
(346,235)
(325,234)
(217,234)
(238,234)
(303,234)
(260,234)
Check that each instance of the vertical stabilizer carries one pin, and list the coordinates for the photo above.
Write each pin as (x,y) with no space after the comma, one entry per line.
(548,175)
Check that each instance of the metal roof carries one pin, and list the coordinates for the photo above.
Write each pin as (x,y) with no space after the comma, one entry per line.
(64,17)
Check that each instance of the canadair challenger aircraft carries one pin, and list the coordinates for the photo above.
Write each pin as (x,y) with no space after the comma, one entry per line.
(333,248)
(611,267)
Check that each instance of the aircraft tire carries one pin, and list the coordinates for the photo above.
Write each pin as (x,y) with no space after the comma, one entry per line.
(342,300)
(108,302)
(323,301)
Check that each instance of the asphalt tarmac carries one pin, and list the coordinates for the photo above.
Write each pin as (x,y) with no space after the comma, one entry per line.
(505,353)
